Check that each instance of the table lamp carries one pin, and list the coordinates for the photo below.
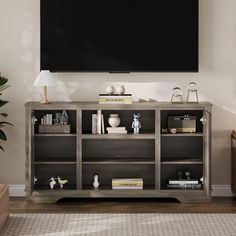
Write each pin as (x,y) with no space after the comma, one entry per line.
(45,79)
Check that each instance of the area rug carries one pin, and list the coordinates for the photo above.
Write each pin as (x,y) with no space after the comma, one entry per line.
(120,224)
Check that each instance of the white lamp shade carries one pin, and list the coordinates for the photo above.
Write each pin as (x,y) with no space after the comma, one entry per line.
(45,78)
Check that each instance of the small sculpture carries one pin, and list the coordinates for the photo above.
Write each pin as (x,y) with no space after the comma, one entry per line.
(192,96)
(64,118)
(110,89)
(61,182)
(35,180)
(136,125)
(52,183)
(176,95)
(120,89)
(95,181)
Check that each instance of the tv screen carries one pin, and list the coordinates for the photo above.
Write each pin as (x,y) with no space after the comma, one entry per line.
(119,36)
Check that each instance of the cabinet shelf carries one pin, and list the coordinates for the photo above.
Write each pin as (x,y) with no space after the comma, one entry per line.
(119,136)
(54,162)
(55,135)
(118,161)
(183,135)
(170,161)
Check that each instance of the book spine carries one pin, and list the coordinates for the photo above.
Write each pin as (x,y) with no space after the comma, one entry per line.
(99,121)
(115,102)
(116,128)
(94,123)
(126,187)
(117,132)
(103,126)
(183,182)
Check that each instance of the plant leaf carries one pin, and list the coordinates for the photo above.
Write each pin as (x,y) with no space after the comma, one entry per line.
(2,103)
(2,148)
(5,123)
(3,136)
(4,114)
(3,87)
(3,80)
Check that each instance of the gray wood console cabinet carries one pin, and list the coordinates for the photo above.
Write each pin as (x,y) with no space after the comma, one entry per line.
(153,155)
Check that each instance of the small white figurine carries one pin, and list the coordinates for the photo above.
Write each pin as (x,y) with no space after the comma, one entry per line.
(35,180)
(95,181)
(61,181)
(52,183)
(136,125)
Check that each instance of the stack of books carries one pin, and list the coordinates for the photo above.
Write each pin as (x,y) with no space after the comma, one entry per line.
(116,130)
(135,183)
(115,99)
(184,184)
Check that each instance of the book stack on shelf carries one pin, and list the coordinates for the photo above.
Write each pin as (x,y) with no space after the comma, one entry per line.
(184,184)
(115,99)
(134,183)
(116,130)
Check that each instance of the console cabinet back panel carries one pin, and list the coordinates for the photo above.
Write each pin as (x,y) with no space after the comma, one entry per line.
(107,172)
(181,147)
(49,148)
(147,119)
(118,149)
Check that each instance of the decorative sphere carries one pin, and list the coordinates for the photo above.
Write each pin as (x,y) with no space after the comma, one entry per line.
(120,89)
(110,89)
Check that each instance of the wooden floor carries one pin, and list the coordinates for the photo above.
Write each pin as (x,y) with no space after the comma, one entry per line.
(217,205)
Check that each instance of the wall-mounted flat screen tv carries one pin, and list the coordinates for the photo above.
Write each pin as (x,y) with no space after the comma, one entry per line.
(119,35)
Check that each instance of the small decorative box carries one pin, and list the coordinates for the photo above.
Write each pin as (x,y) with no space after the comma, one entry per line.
(54,129)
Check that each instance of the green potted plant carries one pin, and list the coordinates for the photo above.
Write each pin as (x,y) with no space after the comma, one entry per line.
(3,86)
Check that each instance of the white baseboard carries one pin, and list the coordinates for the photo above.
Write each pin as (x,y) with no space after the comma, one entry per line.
(217,191)
(221,191)
(17,190)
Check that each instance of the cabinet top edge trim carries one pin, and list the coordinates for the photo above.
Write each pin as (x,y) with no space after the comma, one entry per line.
(96,105)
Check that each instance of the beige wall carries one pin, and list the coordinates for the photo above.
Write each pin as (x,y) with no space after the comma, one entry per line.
(19,61)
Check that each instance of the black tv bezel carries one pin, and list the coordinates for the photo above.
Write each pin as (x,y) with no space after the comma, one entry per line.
(125,71)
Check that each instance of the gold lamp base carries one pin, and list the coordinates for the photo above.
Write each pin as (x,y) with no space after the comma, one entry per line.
(45,96)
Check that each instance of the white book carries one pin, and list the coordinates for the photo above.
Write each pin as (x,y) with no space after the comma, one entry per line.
(115,128)
(183,181)
(118,132)
(94,123)
(50,119)
(99,121)
(103,126)
(127,187)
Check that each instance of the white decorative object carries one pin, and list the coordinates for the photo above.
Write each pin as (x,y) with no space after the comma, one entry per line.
(176,95)
(61,182)
(35,180)
(45,79)
(99,121)
(110,89)
(52,183)
(192,96)
(120,89)
(95,181)
(114,120)
(136,125)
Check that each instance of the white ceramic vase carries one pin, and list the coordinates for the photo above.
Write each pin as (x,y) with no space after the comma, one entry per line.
(114,120)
